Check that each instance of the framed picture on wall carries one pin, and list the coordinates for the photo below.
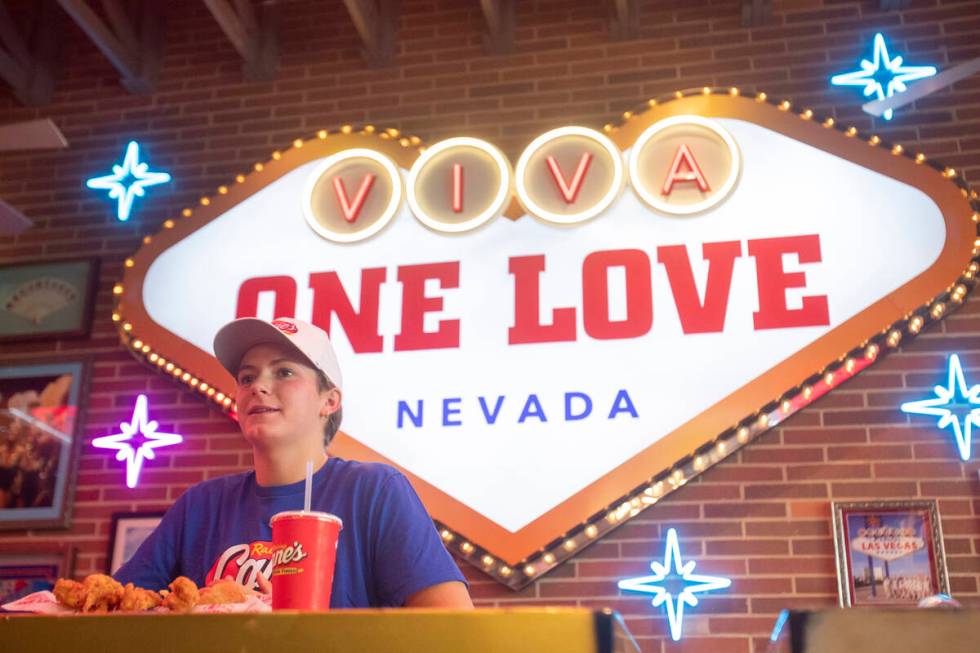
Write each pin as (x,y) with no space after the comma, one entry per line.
(33,568)
(47,300)
(129,529)
(41,406)
(889,552)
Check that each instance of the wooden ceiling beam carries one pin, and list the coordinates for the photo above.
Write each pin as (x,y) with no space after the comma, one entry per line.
(499,37)
(256,38)
(137,58)
(756,12)
(27,64)
(624,23)
(376,21)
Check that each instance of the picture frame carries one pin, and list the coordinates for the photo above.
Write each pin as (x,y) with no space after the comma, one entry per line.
(128,531)
(42,406)
(28,568)
(889,553)
(47,300)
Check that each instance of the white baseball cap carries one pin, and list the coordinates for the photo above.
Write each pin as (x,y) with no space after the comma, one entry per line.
(312,343)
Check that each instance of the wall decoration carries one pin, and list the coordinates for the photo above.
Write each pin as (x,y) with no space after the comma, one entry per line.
(955,405)
(140,429)
(674,584)
(128,531)
(47,300)
(41,407)
(562,261)
(885,76)
(128,181)
(33,569)
(888,552)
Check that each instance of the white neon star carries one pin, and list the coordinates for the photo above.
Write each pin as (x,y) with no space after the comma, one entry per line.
(899,74)
(128,181)
(693,584)
(152,439)
(954,393)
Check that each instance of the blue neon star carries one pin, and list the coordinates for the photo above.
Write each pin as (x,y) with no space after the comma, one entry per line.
(152,439)
(884,77)
(954,395)
(678,573)
(128,181)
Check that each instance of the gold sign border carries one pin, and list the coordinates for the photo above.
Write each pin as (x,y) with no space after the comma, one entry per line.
(516,559)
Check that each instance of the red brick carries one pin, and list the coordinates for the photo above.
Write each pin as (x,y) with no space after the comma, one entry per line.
(873,452)
(787,528)
(785,490)
(796,565)
(917,470)
(872,489)
(746,547)
(825,436)
(782,455)
(808,472)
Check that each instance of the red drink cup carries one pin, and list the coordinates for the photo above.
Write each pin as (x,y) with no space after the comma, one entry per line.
(304,551)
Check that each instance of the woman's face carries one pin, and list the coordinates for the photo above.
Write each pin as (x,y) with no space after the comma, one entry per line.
(279,400)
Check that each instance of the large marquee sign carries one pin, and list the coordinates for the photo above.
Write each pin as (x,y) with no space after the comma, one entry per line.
(549,345)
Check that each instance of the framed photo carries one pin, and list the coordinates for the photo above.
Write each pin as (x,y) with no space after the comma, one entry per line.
(129,529)
(30,570)
(889,552)
(41,406)
(47,300)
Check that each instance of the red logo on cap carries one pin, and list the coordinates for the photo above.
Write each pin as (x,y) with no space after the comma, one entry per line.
(286,327)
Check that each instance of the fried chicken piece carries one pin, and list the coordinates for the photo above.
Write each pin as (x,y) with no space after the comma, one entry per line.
(102,593)
(138,599)
(70,593)
(183,595)
(222,591)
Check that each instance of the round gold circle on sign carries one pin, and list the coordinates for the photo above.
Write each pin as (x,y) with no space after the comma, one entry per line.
(569,175)
(352,195)
(684,165)
(459,184)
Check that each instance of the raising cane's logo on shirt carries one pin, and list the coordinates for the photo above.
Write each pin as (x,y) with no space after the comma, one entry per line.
(243,562)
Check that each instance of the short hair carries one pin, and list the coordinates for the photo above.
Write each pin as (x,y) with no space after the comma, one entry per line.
(333,419)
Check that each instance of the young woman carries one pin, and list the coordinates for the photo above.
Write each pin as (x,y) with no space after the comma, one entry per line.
(289,408)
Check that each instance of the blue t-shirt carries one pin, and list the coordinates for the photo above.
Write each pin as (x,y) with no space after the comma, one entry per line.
(388,550)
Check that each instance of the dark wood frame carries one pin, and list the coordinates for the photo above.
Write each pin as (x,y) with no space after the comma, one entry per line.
(89,287)
(56,516)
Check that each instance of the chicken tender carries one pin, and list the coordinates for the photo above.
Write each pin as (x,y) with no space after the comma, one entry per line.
(138,599)
(102,593)
(222,591)
(70,593)
(183,595)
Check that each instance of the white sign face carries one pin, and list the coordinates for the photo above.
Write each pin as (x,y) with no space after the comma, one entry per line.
(513,367)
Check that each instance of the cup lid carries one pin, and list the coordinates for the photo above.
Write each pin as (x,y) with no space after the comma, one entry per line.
(312,514)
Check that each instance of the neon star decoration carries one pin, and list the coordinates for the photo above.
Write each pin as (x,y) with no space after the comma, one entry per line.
(883,77)
(128,181)
(666,579)
(140,428)
(955,405)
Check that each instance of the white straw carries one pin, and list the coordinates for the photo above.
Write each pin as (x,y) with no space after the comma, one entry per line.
(309,486)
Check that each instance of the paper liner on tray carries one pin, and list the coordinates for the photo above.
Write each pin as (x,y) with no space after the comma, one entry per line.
(45,603)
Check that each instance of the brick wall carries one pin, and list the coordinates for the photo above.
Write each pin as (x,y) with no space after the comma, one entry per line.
(763,515)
